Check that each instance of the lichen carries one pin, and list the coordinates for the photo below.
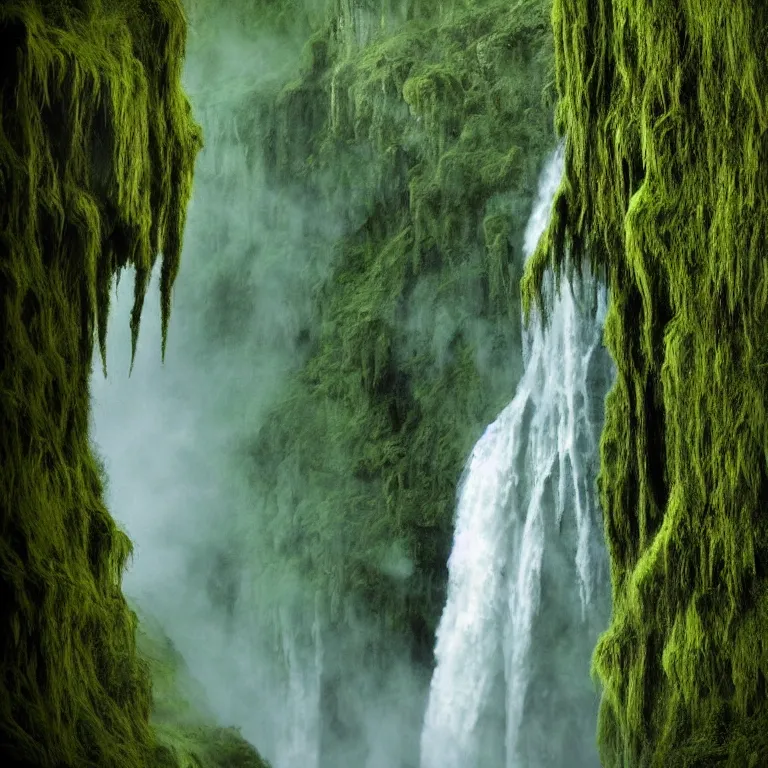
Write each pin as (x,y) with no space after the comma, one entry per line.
(97,147)
(663,109)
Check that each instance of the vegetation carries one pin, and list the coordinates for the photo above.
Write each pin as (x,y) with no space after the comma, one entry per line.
(97,147)
(440,117)
(663,108)
(182,724)
(438,114)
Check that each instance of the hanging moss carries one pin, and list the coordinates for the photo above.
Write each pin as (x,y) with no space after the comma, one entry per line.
(97,147)
(439,120)
(666,189)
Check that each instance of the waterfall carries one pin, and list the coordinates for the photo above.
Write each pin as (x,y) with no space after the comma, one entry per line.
(299,744)
(528,494)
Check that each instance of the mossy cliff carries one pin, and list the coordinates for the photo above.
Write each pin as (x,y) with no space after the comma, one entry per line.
(666,190)
(438,116)
(97,147)
(180,718)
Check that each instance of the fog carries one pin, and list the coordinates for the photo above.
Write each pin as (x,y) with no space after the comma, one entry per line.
(206,564)
(236,567)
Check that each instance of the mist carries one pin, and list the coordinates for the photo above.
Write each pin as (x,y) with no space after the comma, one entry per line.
(344,326)
(207,564)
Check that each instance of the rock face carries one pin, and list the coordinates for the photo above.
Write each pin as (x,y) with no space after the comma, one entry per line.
(97,147)
(665,189)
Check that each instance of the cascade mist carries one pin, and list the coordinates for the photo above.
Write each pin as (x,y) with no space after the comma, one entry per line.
(177,426)
(528,587)
(327,300)
(208,566)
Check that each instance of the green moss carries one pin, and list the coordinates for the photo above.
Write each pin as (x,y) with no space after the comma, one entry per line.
(96,157)
(439,122)
(180,719)
(665,189)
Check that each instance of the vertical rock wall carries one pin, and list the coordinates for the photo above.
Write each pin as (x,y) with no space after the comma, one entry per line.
(97,147)
(664,108)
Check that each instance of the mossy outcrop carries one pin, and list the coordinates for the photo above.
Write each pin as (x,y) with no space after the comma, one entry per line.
(438,116)
(180,719)
(665,190)
(97,148)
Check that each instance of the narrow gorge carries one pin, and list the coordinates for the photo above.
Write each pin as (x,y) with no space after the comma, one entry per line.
(382,384)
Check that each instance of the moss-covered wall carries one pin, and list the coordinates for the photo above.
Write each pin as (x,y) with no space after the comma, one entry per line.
(400,161)
(663,105)
(439,115)
(180,718)
(97,147)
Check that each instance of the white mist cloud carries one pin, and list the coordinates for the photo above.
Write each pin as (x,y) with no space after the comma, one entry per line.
(171,435)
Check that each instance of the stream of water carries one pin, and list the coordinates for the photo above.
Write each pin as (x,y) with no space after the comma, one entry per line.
(528,527)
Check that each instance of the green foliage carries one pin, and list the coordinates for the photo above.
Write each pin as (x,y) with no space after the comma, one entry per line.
(185,738)
(97,148)
(440,121)
(663,107)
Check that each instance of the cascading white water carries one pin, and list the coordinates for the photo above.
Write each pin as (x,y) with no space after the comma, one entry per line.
(532,461)
(299,741)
